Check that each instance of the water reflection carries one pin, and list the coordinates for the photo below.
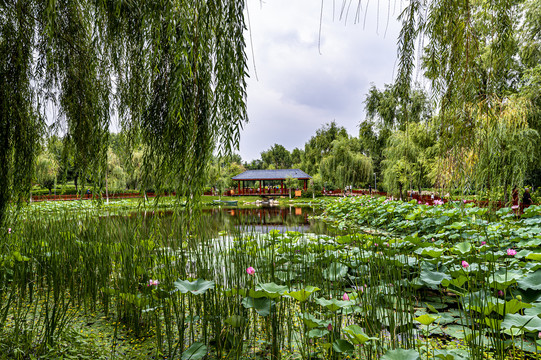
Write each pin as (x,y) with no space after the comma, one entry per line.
(265,219)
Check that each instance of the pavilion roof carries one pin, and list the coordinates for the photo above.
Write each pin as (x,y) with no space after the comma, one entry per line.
(280,174)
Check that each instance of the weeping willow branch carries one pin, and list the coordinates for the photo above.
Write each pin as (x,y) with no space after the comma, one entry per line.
(173,70)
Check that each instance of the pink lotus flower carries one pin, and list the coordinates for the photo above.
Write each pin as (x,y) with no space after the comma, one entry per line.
(465,264)
(464,201)
(511,252)
(500,292)
(539,335)
(345,297)
(514,207)
(329,327)
(419,202)
(483,243)
(250,271)
(153,282)
(9,230)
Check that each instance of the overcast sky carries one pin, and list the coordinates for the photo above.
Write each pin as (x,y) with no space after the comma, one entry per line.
(298,89)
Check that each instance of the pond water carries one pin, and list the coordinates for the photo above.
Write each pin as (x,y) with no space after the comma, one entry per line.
(265,219)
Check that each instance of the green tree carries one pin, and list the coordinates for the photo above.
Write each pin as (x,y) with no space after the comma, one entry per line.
(320,145)
(296,158)
(46,170)
(278,156)
(476,56)
(409,158)
(345,165)
(291,183)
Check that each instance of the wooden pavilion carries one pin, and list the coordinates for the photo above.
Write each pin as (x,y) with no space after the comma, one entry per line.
(268,180)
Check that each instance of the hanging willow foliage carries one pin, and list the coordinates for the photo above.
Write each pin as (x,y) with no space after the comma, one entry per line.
(469,50)
(173,72)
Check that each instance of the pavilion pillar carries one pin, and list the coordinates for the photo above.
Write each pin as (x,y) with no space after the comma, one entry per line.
(282,187)
(260,182)
(305,184)
(239,187)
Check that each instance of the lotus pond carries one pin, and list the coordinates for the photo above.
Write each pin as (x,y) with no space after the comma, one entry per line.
(382,280)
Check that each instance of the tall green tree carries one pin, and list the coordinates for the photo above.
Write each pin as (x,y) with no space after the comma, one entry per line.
(277,156)
(475,55)
(320,145)
(345,165)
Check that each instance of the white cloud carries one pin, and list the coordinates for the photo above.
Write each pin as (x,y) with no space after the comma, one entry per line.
(298,89)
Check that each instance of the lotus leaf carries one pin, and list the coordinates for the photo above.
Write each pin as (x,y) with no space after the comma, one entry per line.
(333,304)
(426,319)
(273,290)
(452,354)
(236,321)
(401,354)
(317,333)
(529,323)
(430,251)
(531,281)
(356,334)
(341,346)
(262,306)
(433,278)
(311,321)
(196,351)
(303,294)
(535,310)
(511,307)
(501,281)
(196,287)
(462,248)
(534,256)
(335,272)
